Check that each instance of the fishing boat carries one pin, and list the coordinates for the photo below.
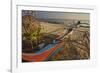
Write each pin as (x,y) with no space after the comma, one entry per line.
(45,53)
(48,51)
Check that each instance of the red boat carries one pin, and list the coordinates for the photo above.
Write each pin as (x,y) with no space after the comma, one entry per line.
(43,54)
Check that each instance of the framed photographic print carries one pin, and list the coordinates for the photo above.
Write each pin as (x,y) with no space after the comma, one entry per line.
(52,36)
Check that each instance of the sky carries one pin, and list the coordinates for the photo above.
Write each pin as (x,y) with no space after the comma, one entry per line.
(58,15)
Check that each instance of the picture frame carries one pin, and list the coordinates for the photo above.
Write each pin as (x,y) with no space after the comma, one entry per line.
(16,20)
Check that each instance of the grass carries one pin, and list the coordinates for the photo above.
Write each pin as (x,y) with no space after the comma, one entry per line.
(77,47)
